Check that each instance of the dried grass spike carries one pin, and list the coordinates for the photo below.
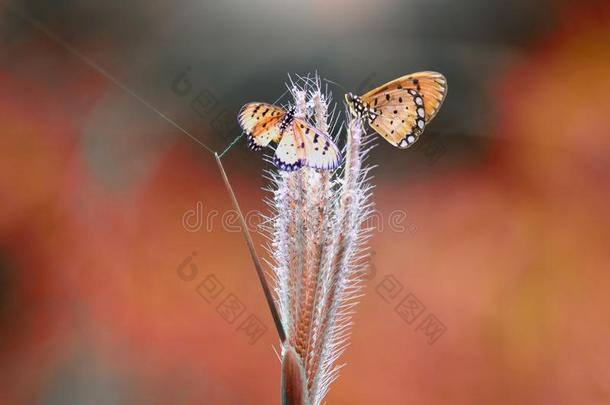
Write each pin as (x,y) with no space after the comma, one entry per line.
(316,245)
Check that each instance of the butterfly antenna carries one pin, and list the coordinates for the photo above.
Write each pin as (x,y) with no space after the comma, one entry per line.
(289,86)
(337,84)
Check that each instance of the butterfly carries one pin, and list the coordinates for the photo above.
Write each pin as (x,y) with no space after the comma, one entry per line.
(400,110)
(299,143)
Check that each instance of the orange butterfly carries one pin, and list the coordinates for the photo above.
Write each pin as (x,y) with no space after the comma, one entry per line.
(300,144)
(399,110)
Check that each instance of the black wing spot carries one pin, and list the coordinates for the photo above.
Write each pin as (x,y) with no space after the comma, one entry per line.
(395,111)
(400,99)
(387,97)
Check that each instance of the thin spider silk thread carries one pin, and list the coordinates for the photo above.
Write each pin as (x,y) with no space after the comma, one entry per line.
(40,27)
(103,72)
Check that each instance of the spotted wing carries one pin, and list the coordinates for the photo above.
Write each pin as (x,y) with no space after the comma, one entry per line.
(403,107)
(432,87)
(317,148)
(289,152)
(261,123)
(399,121)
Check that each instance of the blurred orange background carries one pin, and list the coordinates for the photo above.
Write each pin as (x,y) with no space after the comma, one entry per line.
(103,204)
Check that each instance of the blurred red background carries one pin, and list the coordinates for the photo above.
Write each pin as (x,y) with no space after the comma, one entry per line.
(505,240)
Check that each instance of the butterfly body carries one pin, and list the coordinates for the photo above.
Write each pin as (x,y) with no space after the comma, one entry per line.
(288,118)
(299,143)
(400,109)
(359,108)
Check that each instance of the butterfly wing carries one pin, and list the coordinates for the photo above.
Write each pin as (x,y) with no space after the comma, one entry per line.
(317,148)
(261,122)
(432,87)
(404,106)
(289,152)
(400,121)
